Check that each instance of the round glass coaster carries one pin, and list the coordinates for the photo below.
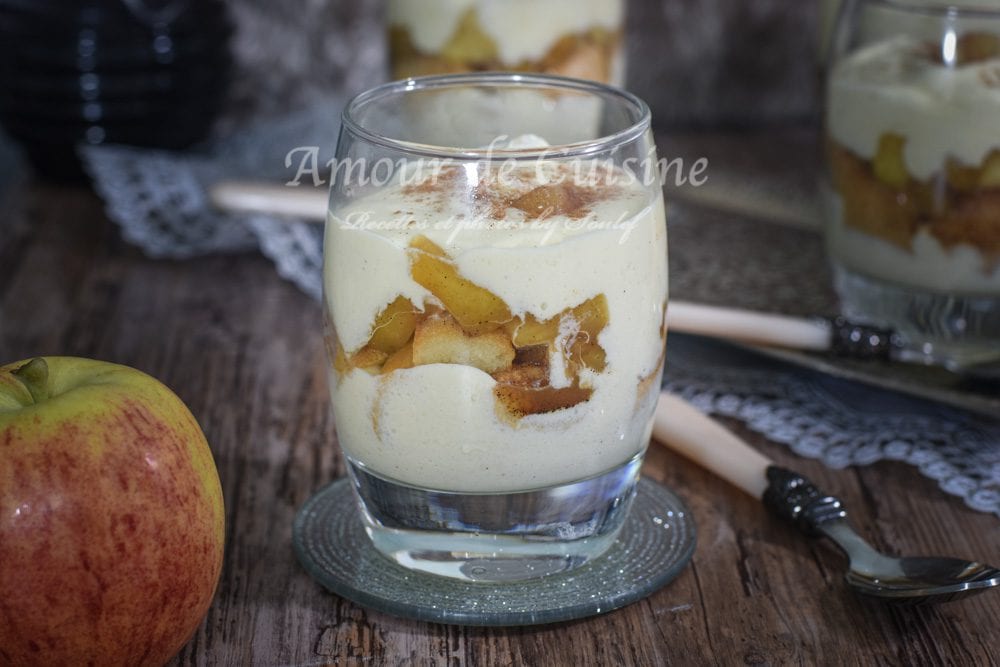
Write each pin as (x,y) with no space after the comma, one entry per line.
(654,545)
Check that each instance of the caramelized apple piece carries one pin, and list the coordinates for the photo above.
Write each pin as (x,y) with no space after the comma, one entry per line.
(340,362)
(929,197)
(409,61)
(543,201)
(587,55)
(592,315)
(402,358)
(368,357)
(477,309)
(524,376)
(888,162)
(394,326)
(440,340)
(961,177)
(650,381)
(584,61)
(989,176)
(524,388)
(870,205)
(421,242)
(974,47)
(532,355)
(520,401)
(560,52)
(548,200)
(469,44)
(532,331)
(590,355)
(975,221)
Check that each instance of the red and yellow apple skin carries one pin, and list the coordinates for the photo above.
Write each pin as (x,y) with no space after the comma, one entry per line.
(111,516)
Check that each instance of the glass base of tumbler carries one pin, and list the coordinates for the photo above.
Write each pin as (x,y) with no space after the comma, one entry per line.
(953,330)
(495,537)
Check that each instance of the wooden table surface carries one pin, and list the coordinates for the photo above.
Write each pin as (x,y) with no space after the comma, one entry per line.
(242,348)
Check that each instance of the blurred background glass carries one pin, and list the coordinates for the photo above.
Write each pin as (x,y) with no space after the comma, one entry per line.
(913,148)
(577,38)
(139,72)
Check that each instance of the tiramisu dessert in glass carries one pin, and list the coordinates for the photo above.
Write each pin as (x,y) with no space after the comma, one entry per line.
(495,292)
(576,38)
(913,146)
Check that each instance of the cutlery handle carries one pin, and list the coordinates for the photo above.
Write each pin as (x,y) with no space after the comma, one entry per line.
(684,429)
(838,335)
(794,498)
(801,333)
(307,203)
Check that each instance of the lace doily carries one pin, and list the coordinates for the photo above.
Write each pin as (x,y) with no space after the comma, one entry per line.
(160,198)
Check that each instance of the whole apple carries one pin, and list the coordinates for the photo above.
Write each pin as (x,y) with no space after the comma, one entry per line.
(111,516)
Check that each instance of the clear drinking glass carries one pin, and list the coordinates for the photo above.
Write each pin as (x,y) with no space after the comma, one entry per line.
(913,196)
(578,38)
(495,277)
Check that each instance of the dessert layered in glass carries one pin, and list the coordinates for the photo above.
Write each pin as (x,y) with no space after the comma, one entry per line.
(497,328)
(577,38)
(914,158)
(495,318)
(913,154)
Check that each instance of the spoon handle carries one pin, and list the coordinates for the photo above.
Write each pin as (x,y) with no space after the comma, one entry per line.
(683,428)
(304,203)
(836,335)
(793,497)
(803,333)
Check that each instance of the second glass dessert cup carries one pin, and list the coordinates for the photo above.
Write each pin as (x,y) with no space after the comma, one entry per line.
(913,156)
(577,38)
(495,278)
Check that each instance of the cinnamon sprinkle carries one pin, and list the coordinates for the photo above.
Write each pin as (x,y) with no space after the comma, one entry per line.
(497,192)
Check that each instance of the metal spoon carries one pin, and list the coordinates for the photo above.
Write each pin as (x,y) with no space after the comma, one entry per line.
(907,580)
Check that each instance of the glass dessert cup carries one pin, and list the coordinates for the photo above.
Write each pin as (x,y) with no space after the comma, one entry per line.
(913,188)
(577,38)
(494,318)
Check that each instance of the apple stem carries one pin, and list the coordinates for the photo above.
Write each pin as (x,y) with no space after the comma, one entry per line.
(34,375)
